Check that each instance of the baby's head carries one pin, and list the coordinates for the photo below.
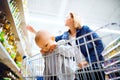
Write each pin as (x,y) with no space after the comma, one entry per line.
(44,40)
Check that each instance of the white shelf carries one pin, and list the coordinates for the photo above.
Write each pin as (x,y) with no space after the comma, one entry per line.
(4,55)
(112,64)
(23,47)
(112,42)
(111,49)
(118,53)
(112,71)
(6,59)
(16,31)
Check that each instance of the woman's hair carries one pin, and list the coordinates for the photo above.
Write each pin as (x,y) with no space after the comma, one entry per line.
(77,23)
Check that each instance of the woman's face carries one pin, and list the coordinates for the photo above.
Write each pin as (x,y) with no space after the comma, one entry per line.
(69,22)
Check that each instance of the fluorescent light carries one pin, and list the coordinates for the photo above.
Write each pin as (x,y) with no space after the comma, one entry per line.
(47,21)
(105,30)
(110,31)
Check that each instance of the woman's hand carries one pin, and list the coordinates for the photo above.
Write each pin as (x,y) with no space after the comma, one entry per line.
(82,64)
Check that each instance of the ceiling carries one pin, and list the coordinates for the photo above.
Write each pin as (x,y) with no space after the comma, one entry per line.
(50,14)
(44,14)
(96,11)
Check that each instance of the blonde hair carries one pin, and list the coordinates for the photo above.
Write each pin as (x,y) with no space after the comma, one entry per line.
(76,19)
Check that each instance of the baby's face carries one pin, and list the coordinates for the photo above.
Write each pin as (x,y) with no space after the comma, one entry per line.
(45,42)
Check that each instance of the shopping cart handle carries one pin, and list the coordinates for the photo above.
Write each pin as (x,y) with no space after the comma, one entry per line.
(113,23)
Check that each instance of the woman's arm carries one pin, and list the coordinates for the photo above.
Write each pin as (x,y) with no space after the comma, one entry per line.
(98,45)
(57,38)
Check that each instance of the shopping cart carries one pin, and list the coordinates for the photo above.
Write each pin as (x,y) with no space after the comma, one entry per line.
(34,67)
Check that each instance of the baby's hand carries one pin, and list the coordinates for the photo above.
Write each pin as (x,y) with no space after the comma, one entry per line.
(43,52)
(82,64)
(52,48)
(31,29)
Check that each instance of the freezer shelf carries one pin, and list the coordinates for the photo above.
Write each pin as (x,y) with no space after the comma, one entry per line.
(113,63)
(6,59)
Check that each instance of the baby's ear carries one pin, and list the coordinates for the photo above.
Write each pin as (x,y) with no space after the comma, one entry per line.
(53,38)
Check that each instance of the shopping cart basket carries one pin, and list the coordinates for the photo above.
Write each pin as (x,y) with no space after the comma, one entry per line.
(35,66)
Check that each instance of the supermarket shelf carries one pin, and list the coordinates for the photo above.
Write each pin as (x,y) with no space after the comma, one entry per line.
(111,49)
(21,24)
(11,19)
(114,78)
(6,9)
(112,71)
(118,53)
(112,42)
(6,59)
(112,64)
(19,38)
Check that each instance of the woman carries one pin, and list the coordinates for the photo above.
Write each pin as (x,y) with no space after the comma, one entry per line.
(85,44)
(91,53)
(77,30)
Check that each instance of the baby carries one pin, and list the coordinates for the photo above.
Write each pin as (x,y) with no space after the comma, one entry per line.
(59,59)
